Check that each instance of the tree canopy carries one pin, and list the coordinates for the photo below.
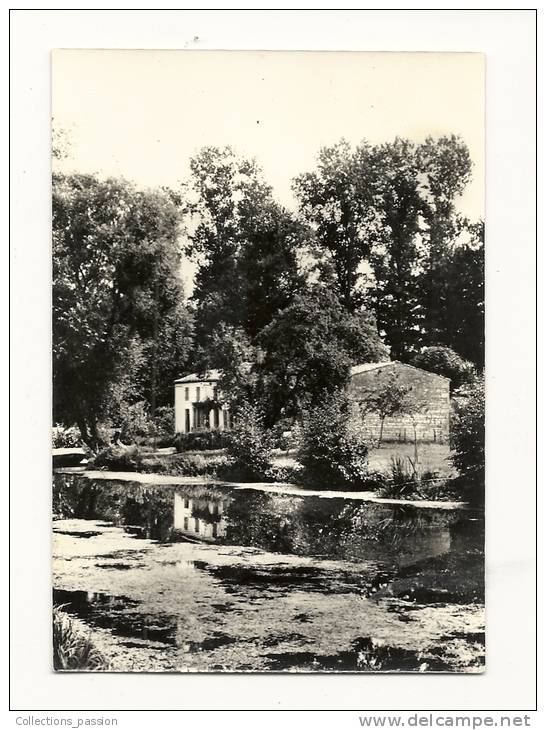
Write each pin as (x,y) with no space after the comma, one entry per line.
(115,267)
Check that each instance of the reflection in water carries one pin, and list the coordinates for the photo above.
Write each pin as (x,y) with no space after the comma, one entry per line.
(202,518)
(250,580)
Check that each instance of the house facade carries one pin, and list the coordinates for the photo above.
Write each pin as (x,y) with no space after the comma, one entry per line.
(197,403)
(427,398)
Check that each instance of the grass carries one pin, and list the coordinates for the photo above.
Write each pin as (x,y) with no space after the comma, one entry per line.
(432,457)
(73,650)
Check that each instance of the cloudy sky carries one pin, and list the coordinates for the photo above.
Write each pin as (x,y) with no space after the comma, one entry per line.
(143,114)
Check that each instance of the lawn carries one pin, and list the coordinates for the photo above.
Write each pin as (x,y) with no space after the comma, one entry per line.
(433,457)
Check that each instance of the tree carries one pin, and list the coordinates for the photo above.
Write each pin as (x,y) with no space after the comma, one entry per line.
(333,450)
(384,219)
(453,294)
(115,264)
(337,202)
(445,361)
(246,245)
(468,434)
(308,350)
(389,397)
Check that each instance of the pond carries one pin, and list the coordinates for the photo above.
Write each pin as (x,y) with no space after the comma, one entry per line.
(200,577)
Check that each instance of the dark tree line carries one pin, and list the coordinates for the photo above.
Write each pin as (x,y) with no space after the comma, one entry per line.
(376,261)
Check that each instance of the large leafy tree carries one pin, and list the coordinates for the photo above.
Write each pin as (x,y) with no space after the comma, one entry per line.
(245,245)
(384,219)
(115,275)
(308,349)
(336,200)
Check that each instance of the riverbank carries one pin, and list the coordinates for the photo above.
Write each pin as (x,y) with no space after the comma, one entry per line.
(271,487)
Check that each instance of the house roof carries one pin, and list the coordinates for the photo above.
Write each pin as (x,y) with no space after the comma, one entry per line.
(366,367)
(206,377)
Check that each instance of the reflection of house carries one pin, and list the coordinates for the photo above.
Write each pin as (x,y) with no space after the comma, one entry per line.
(200,517)
(197,403)
(429,394)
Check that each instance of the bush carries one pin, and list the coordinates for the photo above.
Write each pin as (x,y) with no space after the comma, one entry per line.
(164,422)
(445,361)
(188,465)
(468,434)
(334,450)
(200,441)
(66,438)
(407,482)
(72,649)
(135,424)
(249,444)
(118,458)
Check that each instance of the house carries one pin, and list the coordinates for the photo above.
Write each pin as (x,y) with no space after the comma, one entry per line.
(427,394)
(197,403)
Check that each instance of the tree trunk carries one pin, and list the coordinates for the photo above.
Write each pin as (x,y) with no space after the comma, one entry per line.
(415,453)
(381,431)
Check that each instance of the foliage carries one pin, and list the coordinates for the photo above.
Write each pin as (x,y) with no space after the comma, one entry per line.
(468,433)
(249,443)
(73,650)
(337,201)
(444,361)
(190,465)
(334,451)
(115,270)
(452,293)
(383,216)
(200,441)
(245,244)
(388,397)
(229,349)
(308,350)
(118,458)
(406,481)
(66,438)
(164,421)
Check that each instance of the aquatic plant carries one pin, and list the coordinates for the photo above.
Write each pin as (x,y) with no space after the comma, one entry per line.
(73,650)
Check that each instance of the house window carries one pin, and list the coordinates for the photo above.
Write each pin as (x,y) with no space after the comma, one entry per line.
(187,420)
(226,419)
(198,394)
(186,523)
(186,503)
(196,525)
(186,393)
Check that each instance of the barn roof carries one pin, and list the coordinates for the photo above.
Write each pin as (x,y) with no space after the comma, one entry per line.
(366,367)
(206,377)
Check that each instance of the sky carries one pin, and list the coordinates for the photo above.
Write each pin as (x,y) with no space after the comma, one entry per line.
(143,114)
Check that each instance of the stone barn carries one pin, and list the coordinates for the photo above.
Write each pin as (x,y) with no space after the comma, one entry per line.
(424,396)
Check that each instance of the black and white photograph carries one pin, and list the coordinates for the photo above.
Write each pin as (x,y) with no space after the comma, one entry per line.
(268,361)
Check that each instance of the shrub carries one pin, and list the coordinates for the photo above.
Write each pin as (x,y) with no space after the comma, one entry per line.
(200,441)
(189,465)
(445,361)
(118,458)
(164,422)
(468,433)
(135,424)
(250,444)
(334,450)
(407,482)
(72,649)
(66,438)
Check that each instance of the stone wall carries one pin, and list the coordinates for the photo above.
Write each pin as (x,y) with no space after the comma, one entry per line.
(429,392)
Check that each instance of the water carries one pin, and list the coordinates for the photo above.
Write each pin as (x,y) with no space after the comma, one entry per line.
(208,578)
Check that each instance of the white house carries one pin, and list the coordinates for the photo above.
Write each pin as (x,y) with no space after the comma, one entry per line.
(197,403)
